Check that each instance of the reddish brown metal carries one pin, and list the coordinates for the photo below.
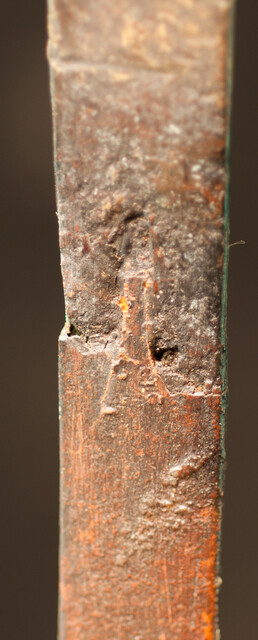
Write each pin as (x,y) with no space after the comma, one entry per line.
(139,104)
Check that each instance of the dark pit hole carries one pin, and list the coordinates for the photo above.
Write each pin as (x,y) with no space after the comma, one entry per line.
(73,331)
(166,355)
(161,353)
(133,215)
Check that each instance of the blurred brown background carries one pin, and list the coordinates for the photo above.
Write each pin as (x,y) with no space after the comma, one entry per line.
(32,314)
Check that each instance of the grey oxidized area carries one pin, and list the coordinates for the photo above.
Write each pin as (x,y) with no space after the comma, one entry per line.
(141,183)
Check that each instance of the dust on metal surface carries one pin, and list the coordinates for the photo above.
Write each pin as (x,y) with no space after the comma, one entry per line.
(139,103)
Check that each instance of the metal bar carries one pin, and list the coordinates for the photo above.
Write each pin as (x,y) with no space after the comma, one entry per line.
(139,103)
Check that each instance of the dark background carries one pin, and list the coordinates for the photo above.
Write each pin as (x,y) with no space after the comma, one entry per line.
(32,314)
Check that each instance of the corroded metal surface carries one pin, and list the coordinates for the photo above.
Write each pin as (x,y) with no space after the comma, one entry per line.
(139,105)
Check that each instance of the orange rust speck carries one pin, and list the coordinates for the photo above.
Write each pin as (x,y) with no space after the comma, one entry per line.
(123,304)
(207,628)
(155,286)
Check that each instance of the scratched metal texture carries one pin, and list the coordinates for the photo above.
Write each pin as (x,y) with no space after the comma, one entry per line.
(139,104)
